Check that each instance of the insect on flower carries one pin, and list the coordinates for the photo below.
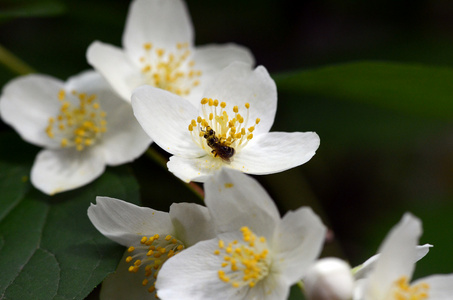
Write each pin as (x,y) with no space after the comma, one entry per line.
(219,147)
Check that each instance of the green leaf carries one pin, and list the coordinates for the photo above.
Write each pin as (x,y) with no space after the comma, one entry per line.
(48,247)
(37,8)
(415,89)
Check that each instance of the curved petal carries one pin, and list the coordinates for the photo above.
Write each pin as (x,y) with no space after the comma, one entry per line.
(275,152)
(27,103)
(126,223)
(238,84)
(89,82)
(440,286)
(160,22)
(165,117)
(211,60)
(116,67)
(56,171)
(298,242)
(124,284)
(192,223)
(329,278)
(364,269)
(197,169)
(397,256)
(272,287)
(124,139)
(193,274)
(235,200)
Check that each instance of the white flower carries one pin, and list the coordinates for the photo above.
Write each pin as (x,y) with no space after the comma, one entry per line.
(256,255)
(159,50)
(230,127)
(151,237)
(390,276)
(82,124)
(329,279)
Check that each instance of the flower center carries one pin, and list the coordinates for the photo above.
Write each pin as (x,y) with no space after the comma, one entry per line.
(152,253)
(245,262)
(403,291)
(77,126)
(219,134)
(170,71)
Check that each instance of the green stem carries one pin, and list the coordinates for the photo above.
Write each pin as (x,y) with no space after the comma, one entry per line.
(162,161)
(12,62)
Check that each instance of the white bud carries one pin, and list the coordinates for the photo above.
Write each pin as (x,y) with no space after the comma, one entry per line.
(329,279)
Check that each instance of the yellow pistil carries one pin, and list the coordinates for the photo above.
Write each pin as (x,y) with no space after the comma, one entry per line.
(403,291)
(245,262)
(219,133)
(149,254)
(171,71)
(78,126)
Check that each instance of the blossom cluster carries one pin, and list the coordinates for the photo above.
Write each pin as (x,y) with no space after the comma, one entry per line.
(212,110)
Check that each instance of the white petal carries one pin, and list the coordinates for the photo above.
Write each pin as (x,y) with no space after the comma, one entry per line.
(298,241)
(27,103)
(211,60)
(440,286)
(89,82)
(165,117)
(124,284)
(124,139)
(329,279)
(197,169)
(192,223)
(275,152)
(235,200)
(397,256)
(56,171)
(237,84)
(192,274)
(272,287)
(364,269)
(116,67)
(160,22)
(125,223)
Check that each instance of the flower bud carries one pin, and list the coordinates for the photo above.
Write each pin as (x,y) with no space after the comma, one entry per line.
(329,279)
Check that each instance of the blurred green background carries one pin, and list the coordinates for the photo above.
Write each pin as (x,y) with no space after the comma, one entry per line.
(376,160)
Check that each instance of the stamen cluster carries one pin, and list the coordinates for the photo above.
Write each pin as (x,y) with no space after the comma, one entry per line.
(152,253)
(230,132)
(247,260)
(170,71)
(403,291)
(77,126)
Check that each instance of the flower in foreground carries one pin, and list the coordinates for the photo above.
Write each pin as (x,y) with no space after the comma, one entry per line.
(331,278)
(256,254)
(82,124)
(159,50)
(151,237)
(230,127)
(391,274)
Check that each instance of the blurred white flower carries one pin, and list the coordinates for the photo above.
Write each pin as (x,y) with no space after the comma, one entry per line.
(159,50)
(390,277)
(151,237)
(230,127)
(256,255)
(82,124)
(329,279)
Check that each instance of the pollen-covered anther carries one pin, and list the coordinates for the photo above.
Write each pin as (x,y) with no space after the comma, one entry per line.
(403,291)
(169,70)
(245,262)
(149,254)
(80,123)
(221,134)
